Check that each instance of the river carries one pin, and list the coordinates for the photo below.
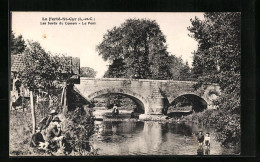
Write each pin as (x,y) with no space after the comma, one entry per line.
(133,137)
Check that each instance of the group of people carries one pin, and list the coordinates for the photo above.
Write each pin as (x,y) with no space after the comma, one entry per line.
(115,112)
(50,128)
(203,141)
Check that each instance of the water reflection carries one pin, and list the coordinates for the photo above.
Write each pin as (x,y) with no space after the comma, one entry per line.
(120,127)
(207,151)
(200,150)
(151,138)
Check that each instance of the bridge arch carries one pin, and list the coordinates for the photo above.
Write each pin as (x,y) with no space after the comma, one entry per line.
(198,103)
(139,99)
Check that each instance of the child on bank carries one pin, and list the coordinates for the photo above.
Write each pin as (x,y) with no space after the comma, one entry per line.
(207,140)
(200,138)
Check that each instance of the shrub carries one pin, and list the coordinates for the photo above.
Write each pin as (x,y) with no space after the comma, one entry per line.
(78,128)
(227,126)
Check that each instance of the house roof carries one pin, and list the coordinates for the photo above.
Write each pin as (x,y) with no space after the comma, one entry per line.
(17,63)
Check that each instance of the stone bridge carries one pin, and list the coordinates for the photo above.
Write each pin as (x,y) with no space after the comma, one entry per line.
(153,96)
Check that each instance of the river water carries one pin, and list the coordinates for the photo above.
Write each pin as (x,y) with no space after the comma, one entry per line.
(132,137)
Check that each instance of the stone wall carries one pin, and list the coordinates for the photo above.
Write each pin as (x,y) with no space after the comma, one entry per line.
(155,95)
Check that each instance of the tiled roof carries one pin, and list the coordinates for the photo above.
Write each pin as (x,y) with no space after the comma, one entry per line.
(17,63)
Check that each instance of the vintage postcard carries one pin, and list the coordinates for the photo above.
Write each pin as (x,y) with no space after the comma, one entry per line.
(124,83)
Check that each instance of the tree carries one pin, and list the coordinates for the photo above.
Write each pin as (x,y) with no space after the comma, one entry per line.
(176,65)
(116,70)
(88,72)
(42,71)
(17,44)
(136,49)
(217,60)
(185,73)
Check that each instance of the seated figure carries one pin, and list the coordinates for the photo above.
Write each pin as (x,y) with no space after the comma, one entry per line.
(54,137)
(38,140)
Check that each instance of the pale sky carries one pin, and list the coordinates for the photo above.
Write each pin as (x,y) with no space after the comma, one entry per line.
(81,40)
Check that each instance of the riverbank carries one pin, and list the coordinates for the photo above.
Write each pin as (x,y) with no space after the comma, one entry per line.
(21,133)
(227,127)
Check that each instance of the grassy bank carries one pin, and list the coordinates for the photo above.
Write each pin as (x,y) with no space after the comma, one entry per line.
(77,127)
(20,134)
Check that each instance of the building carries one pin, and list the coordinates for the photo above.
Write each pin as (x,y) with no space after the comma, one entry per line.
(18,91)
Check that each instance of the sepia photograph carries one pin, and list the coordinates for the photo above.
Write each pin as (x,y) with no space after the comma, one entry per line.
(124,83)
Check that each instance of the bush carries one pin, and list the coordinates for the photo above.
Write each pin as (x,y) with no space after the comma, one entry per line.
(78,128)
(227,125)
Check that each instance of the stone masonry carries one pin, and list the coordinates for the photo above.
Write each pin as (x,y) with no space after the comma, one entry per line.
(153,95)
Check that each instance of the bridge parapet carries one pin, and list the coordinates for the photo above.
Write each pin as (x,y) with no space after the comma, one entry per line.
(155,95)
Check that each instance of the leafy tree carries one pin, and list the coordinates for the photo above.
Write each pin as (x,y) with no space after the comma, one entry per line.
(197,68)
(116,70)
(88,72)
(43,71)
(185,72)
(136,49)
(217,60)
(17,44)
(175,64)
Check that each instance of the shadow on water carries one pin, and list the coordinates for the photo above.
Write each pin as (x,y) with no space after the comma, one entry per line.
(207,151)
(200,151)
(203,151)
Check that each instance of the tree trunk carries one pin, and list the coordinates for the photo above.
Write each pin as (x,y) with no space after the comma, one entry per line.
(50,100)
(37,99)
(33,112)
(62,94)
(23,101)
(65,107)
(22,95)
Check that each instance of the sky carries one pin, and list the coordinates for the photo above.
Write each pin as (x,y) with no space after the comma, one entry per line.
(80,40)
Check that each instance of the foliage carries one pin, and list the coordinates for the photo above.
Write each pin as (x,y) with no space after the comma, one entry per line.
(88,72)
(226,126)
(116,70)
(185,72)
(179,70)
(217,60)
(17,44)
(136,49)
(42,70)
(79,126)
